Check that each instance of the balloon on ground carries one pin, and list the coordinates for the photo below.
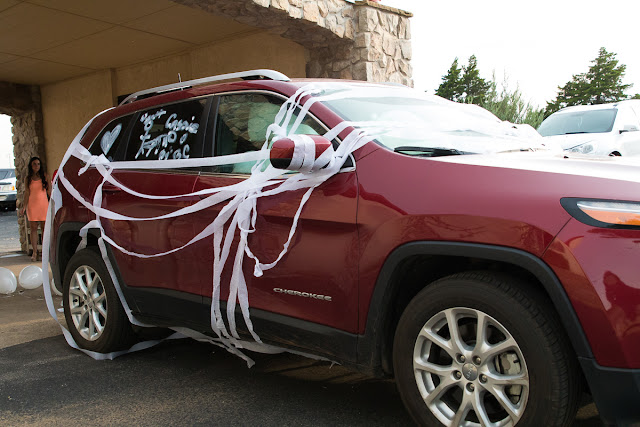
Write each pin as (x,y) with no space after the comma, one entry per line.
(30,277)
(8,282)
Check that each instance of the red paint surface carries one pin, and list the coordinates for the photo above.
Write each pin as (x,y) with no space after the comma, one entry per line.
(599,269)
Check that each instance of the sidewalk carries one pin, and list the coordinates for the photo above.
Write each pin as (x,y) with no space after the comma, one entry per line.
(23,314)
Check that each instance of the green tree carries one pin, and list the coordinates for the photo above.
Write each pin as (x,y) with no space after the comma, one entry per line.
(464,85)
(510,105)
(601,84)
(474,87)
(451,86)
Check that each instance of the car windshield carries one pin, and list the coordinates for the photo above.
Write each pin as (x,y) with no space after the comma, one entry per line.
(7,173)
(573,122)
(410,121)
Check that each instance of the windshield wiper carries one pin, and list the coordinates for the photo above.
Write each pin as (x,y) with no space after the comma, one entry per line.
(574,133)
(427,151)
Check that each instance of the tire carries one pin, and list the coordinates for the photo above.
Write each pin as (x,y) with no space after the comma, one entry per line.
(94,314)
(525,359)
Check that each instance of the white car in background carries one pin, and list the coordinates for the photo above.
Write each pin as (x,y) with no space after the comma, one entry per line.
(603,129)
(8,189)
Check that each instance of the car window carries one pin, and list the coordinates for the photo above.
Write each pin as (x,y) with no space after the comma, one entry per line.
(110,139)
(241,126)
(625,118)
(172,131)
(7,173)
(636,112)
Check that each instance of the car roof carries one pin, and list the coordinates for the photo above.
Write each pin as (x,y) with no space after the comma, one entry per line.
(270,78)
(608,106)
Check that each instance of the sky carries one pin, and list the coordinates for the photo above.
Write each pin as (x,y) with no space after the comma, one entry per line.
(538,45)
(6,143)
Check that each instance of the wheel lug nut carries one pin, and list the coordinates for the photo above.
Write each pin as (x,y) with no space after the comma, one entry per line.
(470,387)
(457,374)
(477,360)
(483,378)
(461,358)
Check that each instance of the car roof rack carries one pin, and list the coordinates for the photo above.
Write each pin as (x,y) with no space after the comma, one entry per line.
(245,75)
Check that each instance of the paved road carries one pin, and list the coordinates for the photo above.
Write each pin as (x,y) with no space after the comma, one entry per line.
(43,381)
(186,383)
(189,383)
(9,235)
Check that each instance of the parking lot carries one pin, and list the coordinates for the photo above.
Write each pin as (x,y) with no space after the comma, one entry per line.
(43,381)
(9,237)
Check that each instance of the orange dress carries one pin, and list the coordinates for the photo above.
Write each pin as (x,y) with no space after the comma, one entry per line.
(38,202)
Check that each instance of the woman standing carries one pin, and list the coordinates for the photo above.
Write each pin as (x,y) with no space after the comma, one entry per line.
(36,200)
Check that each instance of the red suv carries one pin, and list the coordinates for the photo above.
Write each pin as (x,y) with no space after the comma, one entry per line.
(413,237)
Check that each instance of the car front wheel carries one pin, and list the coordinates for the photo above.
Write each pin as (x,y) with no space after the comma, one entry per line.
(92,307)
(478,349)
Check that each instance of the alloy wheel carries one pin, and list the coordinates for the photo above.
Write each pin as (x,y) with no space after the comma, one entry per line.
(88,303)
(469,369)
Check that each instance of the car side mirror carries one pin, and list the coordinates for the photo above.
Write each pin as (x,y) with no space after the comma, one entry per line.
(629,128)
(288,153)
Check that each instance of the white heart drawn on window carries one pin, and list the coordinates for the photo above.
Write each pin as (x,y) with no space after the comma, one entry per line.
(109,138)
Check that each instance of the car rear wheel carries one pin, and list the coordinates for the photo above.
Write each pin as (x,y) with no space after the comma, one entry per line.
(92,307)
(476,349)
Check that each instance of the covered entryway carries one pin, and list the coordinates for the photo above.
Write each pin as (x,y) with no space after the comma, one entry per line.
(63,61)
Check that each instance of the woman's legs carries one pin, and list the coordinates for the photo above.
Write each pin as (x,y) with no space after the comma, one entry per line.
(41,233)
(33,225)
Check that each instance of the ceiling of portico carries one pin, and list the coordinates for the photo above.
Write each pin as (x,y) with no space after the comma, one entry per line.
(44,41)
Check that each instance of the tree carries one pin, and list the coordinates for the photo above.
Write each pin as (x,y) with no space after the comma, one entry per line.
(474,87)
(601,84)
(464,85)
(451,86)
(511,106)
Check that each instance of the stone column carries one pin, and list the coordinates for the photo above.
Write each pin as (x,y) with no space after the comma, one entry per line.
(28,141)
(376,45)
(360,40)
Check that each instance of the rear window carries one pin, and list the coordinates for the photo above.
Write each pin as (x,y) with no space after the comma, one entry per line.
(109,142)
(169,132)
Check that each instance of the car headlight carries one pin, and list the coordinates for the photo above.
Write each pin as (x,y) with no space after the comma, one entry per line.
(9,187)
(604,213)
(586,148)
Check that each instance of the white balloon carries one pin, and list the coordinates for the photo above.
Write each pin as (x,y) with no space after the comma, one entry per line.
(30,277)
(8,282)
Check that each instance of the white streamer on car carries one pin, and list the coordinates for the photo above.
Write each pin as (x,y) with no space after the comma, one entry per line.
(240,212)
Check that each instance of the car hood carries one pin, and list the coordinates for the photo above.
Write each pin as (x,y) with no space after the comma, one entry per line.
(573,140)
(606,167)
(6,181)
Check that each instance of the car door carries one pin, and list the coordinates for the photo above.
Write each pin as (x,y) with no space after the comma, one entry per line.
(163,286)
(322,258)
(630,138)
